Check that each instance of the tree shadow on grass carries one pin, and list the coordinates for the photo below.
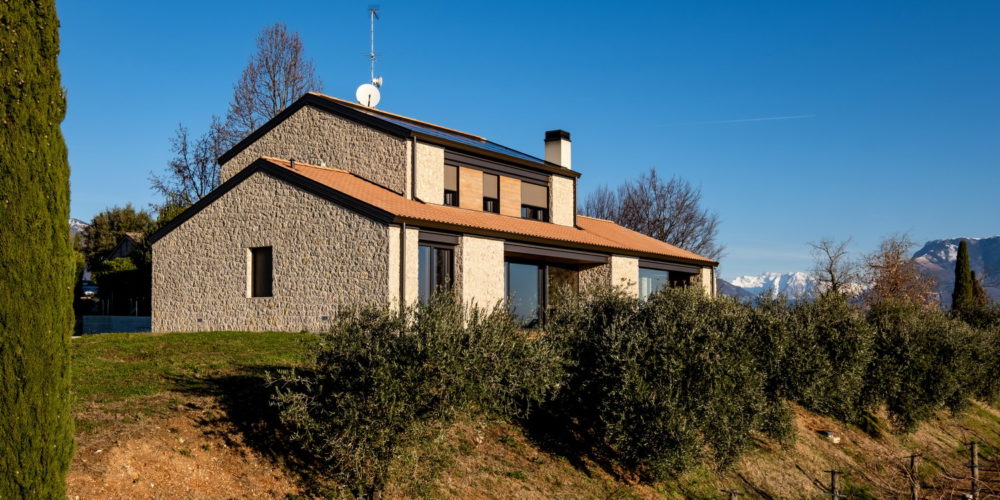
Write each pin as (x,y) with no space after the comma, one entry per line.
(245,400)
(553,432)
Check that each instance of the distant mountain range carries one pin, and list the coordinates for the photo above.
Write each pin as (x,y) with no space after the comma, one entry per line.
(76,226)
(936,259)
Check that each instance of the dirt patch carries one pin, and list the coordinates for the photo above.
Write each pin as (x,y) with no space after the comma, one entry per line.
(189,451)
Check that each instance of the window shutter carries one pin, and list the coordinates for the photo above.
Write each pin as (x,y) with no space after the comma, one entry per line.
(534,195)
(491,186)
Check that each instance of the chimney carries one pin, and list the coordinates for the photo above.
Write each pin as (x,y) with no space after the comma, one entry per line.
(557,148)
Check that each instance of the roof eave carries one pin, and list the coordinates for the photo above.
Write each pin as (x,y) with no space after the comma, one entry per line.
(506,235)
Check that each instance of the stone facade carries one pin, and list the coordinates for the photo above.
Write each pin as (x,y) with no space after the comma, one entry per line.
(621,271)
(482,271)
(429,174)
(408,284)
(625,273)
(317,137)
(324,257)
(562,200)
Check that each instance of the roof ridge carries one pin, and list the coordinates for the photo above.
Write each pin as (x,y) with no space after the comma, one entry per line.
(369,110)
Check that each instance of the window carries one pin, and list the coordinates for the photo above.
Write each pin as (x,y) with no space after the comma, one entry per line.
(451,185)
(534,201)
(652,281)
(261,272)
(434,270)
(536,213)
(526,291)
(491,193)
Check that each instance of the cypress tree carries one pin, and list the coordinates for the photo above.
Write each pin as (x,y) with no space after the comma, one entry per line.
(36,269)
(961,298)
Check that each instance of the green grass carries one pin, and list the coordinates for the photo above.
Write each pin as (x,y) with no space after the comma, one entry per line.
(116,367)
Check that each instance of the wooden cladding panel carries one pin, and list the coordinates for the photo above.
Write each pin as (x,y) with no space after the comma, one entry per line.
(510,196)
(470,188)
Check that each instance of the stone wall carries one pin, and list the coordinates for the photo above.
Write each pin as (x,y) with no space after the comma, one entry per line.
(620,271)
(429,174)
(707,280)
(324,256)
(563,202)
(482,271)
(317,137)
(410,284)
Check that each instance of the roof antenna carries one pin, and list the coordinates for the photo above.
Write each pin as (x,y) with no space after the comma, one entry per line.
(368,93)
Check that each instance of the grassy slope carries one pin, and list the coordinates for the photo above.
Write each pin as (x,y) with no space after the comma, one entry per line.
(139,395)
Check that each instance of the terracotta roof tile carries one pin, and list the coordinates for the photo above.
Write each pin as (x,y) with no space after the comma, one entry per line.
(590,232)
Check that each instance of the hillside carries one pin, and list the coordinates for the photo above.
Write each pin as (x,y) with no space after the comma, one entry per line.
(186,415)
(937,259)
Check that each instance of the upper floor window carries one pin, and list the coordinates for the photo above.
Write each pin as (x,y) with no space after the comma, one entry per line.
(534,201)
(491,193)
(451,185)
(536,213)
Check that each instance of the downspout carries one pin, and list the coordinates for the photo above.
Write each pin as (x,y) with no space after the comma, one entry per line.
(402,267)
(413,170)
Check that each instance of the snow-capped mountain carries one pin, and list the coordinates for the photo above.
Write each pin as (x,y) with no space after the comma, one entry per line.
(793,285)
(730,290)
(76,226)
(937,259)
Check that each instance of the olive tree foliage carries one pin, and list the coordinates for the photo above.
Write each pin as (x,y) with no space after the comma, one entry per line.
(276,75)
(834,270)
(666,209)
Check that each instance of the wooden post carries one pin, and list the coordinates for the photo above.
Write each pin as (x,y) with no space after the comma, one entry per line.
(834,487)
(914,479)
(974,465)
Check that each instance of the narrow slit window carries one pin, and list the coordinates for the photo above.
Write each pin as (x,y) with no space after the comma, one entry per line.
(491,193)
(451,185)
(261,272)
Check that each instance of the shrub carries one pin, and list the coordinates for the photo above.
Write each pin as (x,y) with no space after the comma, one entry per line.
(923,361)
(828,356)
(657,383)
(380,378)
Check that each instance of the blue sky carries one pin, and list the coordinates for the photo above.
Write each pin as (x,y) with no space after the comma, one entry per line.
(799,120)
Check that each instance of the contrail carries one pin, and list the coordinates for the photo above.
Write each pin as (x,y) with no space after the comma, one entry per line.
(744,120)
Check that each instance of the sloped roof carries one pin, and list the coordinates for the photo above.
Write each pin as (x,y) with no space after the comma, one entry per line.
(402,126)
(589,233)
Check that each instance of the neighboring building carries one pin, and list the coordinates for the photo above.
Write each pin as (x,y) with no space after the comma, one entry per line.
(127,244)
(332,203)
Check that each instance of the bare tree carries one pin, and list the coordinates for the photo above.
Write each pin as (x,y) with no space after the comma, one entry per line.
(276,75)
(193,171)
(834,270)
(669,211)
(891,274)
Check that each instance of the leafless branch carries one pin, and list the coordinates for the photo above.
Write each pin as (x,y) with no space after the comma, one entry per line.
(668,210)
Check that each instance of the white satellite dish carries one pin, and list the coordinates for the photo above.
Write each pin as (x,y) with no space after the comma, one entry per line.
(368,95)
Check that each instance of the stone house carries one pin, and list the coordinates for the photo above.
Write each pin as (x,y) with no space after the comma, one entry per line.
(333,203)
